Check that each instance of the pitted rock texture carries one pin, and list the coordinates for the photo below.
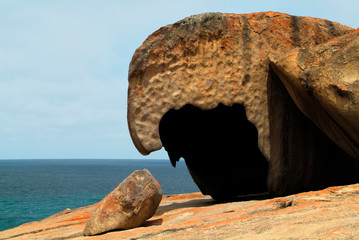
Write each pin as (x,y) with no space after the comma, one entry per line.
(129,205)
(212,59)
(331,213)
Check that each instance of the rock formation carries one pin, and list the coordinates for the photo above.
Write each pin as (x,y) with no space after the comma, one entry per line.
(323,81)
(233,95)
(129,205)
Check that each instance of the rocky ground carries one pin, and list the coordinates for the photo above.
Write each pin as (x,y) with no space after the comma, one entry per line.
(332,213)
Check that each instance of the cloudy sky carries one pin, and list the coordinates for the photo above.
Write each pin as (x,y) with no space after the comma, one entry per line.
(64,64)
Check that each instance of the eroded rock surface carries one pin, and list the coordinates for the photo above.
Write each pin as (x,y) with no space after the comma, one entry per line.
(129,205)
(211,59)
(328,214)
(214,58)
(323,81)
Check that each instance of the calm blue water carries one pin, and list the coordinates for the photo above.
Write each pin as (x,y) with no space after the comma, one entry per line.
(31,190)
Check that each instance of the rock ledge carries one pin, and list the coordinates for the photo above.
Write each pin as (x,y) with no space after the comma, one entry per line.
(332,213)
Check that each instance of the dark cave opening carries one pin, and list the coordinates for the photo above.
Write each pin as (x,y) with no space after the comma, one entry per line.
(220,148)
(302,157)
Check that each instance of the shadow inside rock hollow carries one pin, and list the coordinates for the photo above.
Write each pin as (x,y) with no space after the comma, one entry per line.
(220,148)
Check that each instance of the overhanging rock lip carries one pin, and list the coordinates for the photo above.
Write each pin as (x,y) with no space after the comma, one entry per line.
(310,84)
(138,143)
(145,71)
(155,146)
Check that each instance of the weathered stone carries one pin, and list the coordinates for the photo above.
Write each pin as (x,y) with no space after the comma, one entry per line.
(214,58)
(129,205)
(327,214)
(211,59)
(323,81)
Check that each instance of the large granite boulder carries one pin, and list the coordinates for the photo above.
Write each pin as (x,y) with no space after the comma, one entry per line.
(208,89)
(129,205)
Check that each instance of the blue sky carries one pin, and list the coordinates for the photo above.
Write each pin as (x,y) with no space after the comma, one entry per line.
(64,63)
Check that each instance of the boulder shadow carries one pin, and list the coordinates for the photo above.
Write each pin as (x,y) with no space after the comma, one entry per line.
(187,204)
(198,203)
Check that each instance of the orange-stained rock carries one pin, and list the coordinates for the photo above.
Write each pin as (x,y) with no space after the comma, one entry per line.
(331,213)
(214,58)
(323,81)
(129,205)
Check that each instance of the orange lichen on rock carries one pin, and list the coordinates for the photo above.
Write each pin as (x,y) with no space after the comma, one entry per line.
(173,66)
(323,82)
(129,205)
(325,214)
(212,60)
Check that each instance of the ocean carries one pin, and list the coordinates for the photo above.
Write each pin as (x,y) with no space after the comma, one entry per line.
(31,190)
